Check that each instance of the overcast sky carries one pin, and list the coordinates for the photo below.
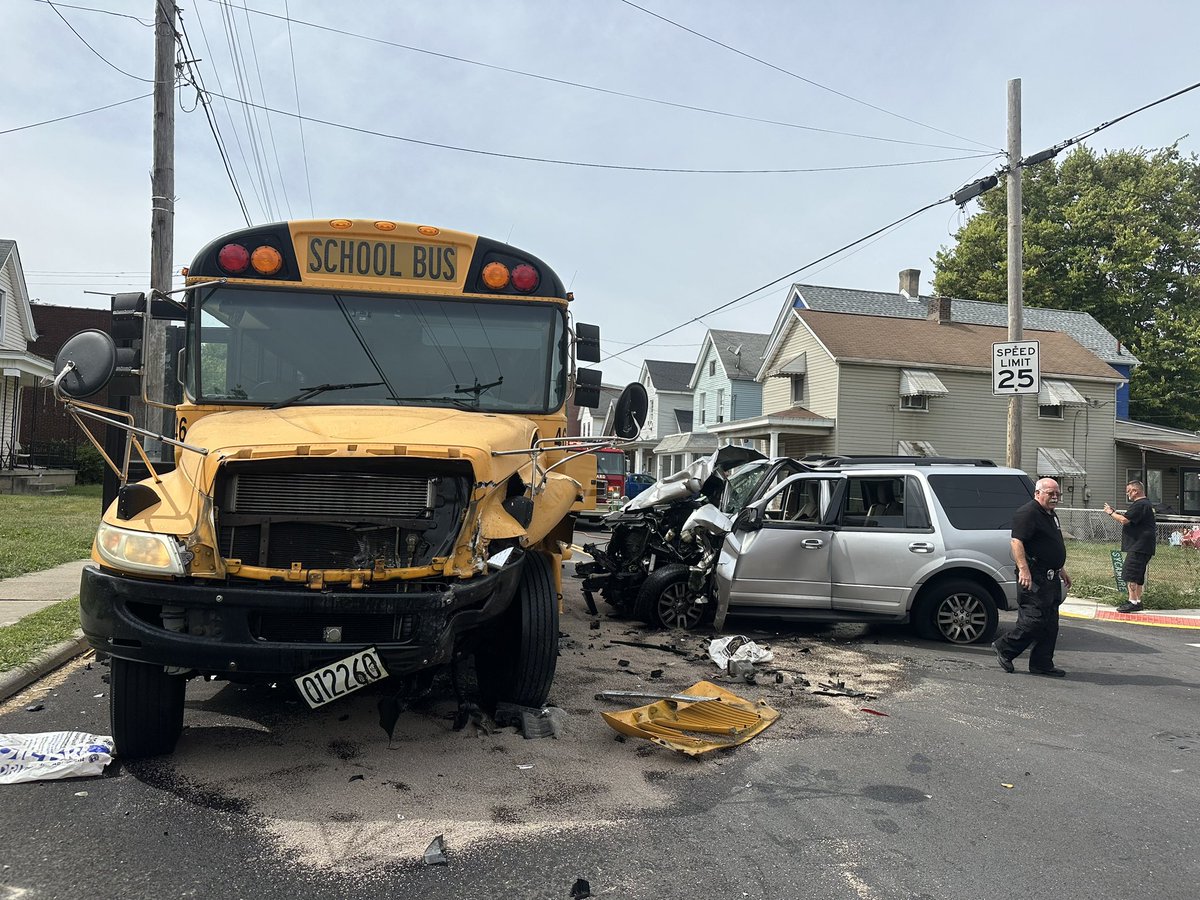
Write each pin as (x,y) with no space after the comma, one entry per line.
(642,250)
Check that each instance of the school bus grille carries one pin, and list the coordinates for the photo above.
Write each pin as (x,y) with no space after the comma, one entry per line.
(344,495)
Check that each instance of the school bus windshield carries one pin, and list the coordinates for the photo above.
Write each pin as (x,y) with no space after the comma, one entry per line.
(256,346)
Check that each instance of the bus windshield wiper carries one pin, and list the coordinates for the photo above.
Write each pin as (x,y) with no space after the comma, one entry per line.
(306,392)
(476,390)
(461,404)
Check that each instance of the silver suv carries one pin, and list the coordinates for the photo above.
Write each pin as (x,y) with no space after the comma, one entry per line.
(884,539)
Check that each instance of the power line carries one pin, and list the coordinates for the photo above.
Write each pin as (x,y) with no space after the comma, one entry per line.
(590,165)
(791,74)
(94,50)
(249,113)
(589,87)
(86,112)
(107,12)
(790,274)
(197,81)
(296,88)
(262,92)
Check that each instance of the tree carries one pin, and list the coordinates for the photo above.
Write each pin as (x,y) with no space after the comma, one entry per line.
(1117,236)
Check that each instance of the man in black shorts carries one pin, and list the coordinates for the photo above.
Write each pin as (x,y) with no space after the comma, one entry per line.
(1040,554)
(1138,531)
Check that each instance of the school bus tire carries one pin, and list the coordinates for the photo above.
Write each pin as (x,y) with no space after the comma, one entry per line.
(146,708)
(517,664)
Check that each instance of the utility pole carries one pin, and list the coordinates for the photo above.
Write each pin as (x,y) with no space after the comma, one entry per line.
(162,204)
(1015,260)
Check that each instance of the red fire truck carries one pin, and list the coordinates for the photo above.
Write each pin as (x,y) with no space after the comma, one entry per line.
(608,489)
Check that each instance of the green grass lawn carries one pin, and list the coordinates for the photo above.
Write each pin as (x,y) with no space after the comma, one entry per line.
(1172,581)
(22,641)
(39,531)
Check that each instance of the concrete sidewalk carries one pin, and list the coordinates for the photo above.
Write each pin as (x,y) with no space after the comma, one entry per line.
(23,596)
(1083,608)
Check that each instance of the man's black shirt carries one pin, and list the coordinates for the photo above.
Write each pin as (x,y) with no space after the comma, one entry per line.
(1038,530)
(1138,536)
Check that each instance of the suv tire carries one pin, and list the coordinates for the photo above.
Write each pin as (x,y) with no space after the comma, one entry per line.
(146,708)
(664,602)
(959,611)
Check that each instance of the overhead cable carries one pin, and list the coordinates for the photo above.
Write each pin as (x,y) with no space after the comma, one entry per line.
(591,165)
(791,74)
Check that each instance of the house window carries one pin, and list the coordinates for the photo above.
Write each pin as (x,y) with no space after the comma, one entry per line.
(915,403)
(1050,412)
(720,404)
(712,367)
(1153,482)
(703,411)
(797,390)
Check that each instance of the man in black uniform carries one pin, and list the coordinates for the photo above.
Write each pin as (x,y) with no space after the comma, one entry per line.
(1138,531)
(1040,554)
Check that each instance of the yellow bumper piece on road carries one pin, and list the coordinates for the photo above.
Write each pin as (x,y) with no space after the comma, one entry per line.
(730,720)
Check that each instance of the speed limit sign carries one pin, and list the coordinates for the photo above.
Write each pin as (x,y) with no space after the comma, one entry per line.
(1016,368)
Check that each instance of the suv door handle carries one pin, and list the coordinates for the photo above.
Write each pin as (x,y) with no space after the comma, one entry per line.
(921,547)
(812,543)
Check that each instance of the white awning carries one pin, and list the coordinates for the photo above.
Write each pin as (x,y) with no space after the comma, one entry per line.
(797,365)
(917,448)
(1058,462)
(1059,393)
(918,382)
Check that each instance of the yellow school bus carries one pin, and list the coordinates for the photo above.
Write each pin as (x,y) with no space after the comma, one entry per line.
(372,477)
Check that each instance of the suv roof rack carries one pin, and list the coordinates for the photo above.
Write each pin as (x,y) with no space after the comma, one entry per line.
(822,461)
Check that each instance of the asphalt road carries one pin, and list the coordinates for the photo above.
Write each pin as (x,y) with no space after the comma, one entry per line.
(974,784)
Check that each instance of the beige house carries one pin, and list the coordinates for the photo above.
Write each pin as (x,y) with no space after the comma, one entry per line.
(853,384)
(19,369)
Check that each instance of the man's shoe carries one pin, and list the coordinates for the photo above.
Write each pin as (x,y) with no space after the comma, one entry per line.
(1129,608)
(1051,672)
(1005,662)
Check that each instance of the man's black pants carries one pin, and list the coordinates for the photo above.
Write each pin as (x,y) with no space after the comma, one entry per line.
(1037,623)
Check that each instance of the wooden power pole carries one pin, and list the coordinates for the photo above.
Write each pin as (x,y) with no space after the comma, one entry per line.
(162,203)
(1015,260)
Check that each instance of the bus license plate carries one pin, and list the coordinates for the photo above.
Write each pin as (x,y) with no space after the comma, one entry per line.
(342,677)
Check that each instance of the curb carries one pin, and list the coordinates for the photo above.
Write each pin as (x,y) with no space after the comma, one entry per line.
(15,680)
(1105,614)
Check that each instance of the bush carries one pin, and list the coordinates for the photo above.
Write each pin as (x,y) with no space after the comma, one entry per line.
(89,465)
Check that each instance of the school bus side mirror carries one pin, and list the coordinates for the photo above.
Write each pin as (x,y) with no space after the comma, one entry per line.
(631,410)
(587,343)
(587,388)
(93,360)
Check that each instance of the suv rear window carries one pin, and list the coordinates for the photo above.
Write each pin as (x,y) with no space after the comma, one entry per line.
(981,502)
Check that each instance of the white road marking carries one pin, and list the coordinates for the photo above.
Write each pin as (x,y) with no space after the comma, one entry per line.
(1194,645)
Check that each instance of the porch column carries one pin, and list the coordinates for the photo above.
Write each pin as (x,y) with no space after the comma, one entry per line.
(773,445)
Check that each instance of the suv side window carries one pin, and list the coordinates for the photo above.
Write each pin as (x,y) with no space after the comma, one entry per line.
(894,502)
(981,502)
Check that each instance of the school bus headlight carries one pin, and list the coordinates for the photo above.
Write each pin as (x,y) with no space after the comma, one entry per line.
(139,551)
(495,275)
(266,260)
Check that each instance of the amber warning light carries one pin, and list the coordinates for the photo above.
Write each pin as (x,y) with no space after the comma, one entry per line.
(236,259)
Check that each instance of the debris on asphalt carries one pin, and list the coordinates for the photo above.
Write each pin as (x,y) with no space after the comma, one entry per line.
(837,689)
(49,755)
(532,722)
(470,714)
(656,673)
(594,625)
(728,718)
(1004,784)
(35,707)
(737,648)
(669,648)
(873,712)
(357,777)
(622,663)
(435,853)
(581,889)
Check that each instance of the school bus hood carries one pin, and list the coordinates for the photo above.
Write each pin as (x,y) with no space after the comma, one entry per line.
(347,429)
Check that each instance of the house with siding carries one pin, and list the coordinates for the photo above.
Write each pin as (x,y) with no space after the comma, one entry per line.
(851,383)
(20,369)
(723,382)
(669,413)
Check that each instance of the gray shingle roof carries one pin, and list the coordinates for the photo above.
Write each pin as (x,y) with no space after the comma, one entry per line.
(5,249)
(670,376)
(683,419)
(1079,325)
(743,364)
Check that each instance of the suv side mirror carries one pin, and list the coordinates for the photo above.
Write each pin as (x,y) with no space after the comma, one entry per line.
(749,519)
